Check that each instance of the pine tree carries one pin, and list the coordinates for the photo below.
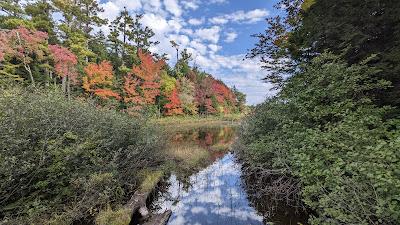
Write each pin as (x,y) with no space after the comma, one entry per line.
(121,27)
(40,13)
(141,36)
(12,8)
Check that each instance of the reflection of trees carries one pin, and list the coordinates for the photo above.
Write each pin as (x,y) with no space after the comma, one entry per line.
(205,136)
(274,194)
(215,141)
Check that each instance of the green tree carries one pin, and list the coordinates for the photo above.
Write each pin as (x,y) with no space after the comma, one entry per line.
(310,27)
(121,27)
(40,13)
(139,35)
(240,99)
(324,132)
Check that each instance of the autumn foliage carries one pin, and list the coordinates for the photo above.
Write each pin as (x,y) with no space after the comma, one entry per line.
(174,106)
(149,73)
(99,80)
(64,62)
(150,84)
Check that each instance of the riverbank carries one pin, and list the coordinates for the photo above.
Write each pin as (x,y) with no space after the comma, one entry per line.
(198,121)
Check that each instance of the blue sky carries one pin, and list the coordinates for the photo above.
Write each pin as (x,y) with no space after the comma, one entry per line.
(216,32)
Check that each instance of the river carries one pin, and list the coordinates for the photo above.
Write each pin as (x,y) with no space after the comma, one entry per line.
(206,185)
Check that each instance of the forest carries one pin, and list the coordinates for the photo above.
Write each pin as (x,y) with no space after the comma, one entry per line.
(117,71)
(329,140)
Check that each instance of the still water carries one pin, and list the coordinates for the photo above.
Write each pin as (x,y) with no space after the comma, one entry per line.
(206,186)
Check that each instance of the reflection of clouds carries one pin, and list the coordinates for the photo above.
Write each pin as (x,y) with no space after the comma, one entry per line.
(215,197)
(178,220)
(198,209)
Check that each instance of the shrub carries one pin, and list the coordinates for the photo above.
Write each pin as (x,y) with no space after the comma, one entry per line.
(62,160)
(324,134)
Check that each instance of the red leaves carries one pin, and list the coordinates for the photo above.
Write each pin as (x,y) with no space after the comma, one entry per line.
(222,92)
(64,62)
(22,43)
(214,96)
(130,88)
(5,46)
(99,80)
(174,106)
(148,72)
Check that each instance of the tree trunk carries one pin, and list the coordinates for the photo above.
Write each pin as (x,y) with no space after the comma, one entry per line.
(64,84)
(69,88)
(24,61)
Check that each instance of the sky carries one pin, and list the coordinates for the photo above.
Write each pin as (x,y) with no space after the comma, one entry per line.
(216,32)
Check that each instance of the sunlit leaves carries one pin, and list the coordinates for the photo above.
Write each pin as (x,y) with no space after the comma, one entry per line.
(99,80)
(174,106)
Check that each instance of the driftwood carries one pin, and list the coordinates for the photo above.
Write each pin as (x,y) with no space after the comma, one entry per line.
(159,219)
(137,203)
(141,215)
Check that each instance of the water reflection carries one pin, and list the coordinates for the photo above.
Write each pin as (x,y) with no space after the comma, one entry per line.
(206,185)
(215,197)
(195,149)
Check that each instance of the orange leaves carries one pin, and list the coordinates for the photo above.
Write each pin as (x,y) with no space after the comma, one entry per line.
(99,80)
(106,93)
(147,81)
(174,106)
(148,70)
(130,89)
(97,75)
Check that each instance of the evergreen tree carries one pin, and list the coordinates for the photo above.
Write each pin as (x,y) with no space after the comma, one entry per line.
(121,27)
(141,36)
(40,13)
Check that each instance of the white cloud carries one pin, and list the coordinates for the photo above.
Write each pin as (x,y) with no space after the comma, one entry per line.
(231,37)
(217,1)
(218,20)
(214,48)
(191,4)
(196,22)
(241,16)
(173,7)
(156,22)
(129,4)
(199,47)
(209,34)
(111,11)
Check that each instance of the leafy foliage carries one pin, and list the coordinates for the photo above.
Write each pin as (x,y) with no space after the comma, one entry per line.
(63,160)
(99,80)
(174,105)
(64,62)
(324,130)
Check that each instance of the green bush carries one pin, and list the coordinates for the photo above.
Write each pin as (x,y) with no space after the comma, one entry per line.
(61,161)
(324,131)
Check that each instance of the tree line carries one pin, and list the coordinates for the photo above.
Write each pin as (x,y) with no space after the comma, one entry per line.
(115,71)
(329,140)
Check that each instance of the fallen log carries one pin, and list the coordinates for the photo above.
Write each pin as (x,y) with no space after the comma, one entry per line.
(159,219)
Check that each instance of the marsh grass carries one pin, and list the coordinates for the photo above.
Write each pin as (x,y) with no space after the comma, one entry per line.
(120,216)
(187,155)
(198,121)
